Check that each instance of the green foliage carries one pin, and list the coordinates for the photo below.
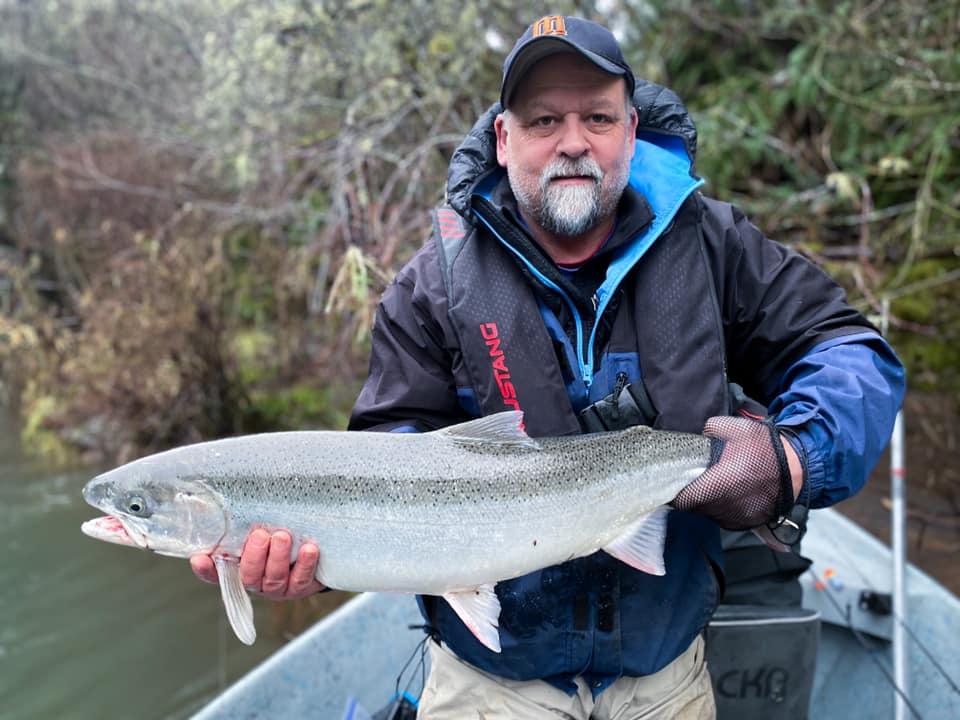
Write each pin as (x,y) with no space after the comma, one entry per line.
(35,433)
(214,195)
(837,128)
(300,407)
(204,199)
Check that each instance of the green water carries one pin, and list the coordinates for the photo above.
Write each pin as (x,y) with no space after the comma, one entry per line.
(92,630)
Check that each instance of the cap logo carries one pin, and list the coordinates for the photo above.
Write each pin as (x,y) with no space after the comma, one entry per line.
(549,25)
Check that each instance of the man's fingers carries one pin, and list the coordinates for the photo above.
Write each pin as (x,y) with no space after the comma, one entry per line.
(265,566)
(253,559)
(203,568)
(277,571)
(303,580)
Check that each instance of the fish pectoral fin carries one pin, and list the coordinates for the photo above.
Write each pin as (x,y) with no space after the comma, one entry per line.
(641,544)
(503,428)
(235,599)
(479,609)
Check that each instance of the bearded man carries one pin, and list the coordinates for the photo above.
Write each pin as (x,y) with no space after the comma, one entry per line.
(579,275)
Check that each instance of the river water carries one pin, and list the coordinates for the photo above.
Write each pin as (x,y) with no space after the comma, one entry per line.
(92,630)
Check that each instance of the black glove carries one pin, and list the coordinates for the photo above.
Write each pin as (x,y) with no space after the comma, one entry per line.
(748,482)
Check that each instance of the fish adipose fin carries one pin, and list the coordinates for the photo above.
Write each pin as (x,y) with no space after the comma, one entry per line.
(479,609)
(235,599)
(641,545)
(505,428)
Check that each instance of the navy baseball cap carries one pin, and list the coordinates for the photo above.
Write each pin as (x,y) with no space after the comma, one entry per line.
(558,33)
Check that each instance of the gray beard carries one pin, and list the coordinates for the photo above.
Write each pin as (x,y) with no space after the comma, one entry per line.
(569,211)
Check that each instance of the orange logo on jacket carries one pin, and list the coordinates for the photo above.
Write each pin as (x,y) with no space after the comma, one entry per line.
(549,25)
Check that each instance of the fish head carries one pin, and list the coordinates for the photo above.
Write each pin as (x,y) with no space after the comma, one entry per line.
(167,515)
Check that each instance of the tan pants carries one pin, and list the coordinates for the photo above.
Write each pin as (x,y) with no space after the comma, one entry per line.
(456,690)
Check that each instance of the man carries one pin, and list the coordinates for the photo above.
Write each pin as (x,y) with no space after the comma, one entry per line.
(582,278)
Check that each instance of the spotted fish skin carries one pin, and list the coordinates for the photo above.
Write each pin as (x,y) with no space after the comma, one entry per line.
(432,513)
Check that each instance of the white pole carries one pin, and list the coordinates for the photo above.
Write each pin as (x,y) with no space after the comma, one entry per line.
(898,534)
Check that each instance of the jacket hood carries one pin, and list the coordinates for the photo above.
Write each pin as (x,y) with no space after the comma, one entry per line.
(663,120)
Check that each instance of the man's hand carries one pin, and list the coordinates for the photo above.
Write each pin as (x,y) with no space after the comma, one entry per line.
(265,566)
(753,481)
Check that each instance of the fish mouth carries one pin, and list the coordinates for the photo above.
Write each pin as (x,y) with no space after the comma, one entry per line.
(112,529)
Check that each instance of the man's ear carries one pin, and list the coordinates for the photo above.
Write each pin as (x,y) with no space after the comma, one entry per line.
(500,128)
(633,121)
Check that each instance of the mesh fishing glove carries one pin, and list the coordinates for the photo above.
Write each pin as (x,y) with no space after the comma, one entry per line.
(748,481)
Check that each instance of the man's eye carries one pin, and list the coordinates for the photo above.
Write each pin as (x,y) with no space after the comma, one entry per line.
(601,119)
(542,122)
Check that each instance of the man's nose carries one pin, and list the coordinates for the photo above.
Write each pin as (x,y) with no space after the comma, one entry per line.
(573,138)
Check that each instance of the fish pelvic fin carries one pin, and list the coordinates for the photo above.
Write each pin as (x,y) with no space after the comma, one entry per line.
(504,428)
(641,544)
(479,609)
(235,599)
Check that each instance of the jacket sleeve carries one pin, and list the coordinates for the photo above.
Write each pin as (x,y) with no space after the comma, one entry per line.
(840,400)
(794,342)
(410,385)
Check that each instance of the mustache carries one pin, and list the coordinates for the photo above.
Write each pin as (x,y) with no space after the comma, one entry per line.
(581,167)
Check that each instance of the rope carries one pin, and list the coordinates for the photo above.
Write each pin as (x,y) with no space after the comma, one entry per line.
(845,613)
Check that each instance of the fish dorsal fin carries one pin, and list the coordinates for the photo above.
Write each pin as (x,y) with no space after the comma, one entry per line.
(641,544)
(505,428)
(479,609)
(235,599)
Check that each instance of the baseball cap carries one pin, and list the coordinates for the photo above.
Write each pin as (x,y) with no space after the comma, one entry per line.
(559,33)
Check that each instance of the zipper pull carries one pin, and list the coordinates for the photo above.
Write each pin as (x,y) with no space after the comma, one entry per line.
(596,302)
(621,384)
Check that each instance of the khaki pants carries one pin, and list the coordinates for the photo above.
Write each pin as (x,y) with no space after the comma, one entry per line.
(456,690)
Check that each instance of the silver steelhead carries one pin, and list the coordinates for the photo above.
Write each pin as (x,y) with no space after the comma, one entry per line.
(448,513)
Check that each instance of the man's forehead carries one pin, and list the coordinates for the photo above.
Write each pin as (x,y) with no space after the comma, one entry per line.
(565,71)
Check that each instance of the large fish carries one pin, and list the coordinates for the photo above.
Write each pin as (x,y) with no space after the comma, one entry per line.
(448,513)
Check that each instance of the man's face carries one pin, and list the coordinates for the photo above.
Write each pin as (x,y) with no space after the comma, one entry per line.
(566,144)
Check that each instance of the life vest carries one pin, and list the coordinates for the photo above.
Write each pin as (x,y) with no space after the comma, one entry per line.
(593,616)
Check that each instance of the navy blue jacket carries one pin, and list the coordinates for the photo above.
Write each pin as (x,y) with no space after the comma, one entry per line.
(691,297)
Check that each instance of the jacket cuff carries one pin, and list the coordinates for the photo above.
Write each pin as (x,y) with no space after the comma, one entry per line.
(807,441)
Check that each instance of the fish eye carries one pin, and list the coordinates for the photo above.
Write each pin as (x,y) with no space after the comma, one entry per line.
(136,505)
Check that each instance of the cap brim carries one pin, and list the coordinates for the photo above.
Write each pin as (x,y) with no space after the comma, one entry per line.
(537,50)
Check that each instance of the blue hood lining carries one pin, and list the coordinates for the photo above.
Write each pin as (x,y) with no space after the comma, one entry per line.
(661,172)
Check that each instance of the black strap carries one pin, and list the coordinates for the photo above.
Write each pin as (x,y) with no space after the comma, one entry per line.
(743,404)
(629,404)
(750,563)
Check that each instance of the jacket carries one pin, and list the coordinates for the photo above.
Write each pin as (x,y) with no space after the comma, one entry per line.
(689,297)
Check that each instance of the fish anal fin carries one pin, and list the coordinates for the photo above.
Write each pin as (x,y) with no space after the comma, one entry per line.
(235,599)
(641,544)
(504,428)
(479,609)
